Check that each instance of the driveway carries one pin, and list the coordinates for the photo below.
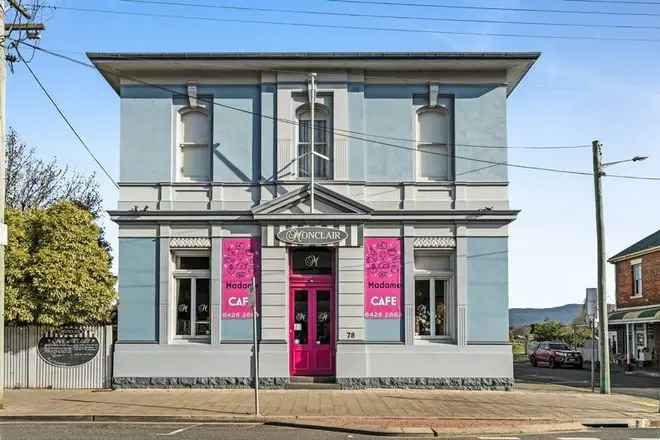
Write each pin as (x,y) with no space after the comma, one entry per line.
(630,384)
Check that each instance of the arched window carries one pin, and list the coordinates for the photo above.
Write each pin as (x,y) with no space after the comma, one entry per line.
(433,156)
(194,145)
(322,167)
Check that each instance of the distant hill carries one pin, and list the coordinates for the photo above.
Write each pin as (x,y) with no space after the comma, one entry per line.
(565,314)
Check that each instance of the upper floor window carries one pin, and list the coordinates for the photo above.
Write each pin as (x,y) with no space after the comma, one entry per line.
(322,167)
(193,152)
(637,279)
(433,156)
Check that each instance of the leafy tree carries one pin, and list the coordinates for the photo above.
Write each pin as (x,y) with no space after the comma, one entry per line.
(34,183)
(58,271)
(546,331)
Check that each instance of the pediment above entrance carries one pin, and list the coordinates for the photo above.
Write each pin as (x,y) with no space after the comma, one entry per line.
(296,204)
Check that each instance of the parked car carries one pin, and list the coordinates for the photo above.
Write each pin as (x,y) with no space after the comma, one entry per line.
(555,354)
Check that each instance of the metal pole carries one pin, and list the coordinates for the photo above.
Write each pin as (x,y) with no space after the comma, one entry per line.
(312,102)
(3,227)
(256,351)
(593,355)
(602,291)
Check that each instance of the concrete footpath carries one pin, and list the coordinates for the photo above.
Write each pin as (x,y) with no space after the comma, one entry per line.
(385,412)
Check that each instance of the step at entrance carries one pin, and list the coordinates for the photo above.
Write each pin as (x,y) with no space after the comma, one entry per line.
(313,383)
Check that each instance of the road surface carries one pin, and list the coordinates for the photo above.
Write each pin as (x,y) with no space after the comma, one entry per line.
(634,385)
(161,431)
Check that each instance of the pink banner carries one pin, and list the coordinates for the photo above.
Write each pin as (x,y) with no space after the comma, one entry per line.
(382,290)
(240,264)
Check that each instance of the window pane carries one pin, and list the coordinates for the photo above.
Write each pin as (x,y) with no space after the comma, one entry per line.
(422,308)
(193,263)
(322,317)
(304,160)
(311,261)
(440,294)
(202,306)
(195,127)
(433,162)
(322,167)
(300,317)
(433,128)
(431,261)
(183,307)
(195,162)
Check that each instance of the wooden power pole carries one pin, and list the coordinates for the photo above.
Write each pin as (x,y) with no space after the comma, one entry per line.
(32,30)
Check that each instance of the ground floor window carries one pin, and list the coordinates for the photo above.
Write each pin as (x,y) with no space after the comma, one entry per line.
(430,307)
(433,275)
(192,297)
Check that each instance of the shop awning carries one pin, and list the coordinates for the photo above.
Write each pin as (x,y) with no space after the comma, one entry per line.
(644,315)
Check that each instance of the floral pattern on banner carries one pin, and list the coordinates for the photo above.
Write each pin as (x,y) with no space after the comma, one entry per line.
(240,264)
(382,278)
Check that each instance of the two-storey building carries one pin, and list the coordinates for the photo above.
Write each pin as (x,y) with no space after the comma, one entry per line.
(637,316)
(397,277)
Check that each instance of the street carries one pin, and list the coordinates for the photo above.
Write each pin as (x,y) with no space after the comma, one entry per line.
(142,431)
(633,385)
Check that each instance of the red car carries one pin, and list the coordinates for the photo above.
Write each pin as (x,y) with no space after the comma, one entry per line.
(556,354)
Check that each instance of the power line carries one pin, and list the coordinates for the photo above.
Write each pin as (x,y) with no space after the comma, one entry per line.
(335,130)
(395,17)
(494,8)
(61,113)
(615,2)
(356,28)
(211,102)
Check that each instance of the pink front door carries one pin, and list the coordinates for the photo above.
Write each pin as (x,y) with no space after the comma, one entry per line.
(311,331)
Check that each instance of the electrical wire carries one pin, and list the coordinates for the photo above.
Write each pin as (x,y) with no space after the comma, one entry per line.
(495,8)
(369,141)
(615,2)
(356,27)
(395,17)
(61,113)
(339,130)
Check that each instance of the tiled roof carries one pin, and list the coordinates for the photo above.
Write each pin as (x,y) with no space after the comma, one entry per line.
(651,241)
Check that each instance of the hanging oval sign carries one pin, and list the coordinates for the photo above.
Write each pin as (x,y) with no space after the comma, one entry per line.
(68,347)
(312,235)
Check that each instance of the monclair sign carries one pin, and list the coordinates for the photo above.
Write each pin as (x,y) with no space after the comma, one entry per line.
(311,235)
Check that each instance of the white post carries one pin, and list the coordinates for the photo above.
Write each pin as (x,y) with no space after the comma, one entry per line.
(627,345)
(312,102)
(252,298)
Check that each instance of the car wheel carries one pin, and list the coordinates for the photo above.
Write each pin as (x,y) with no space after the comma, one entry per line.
(579,366)
(533,362)
(552,363)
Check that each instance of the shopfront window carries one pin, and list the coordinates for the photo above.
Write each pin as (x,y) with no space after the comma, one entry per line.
(432,281)
(430,310)
(192,297)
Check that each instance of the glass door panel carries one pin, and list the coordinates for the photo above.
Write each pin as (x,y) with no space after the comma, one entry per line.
(301,318)
(323,317)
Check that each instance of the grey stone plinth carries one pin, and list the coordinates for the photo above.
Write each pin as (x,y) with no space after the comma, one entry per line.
(197,382)
(451,383)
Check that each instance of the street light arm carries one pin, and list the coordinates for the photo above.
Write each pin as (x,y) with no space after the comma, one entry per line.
(634,159)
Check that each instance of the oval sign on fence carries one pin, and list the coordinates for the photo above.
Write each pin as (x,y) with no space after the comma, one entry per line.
(68,347)
(311,235)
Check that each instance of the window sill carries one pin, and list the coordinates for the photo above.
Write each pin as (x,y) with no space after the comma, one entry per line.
(433,340)
(639,295)
(192,341)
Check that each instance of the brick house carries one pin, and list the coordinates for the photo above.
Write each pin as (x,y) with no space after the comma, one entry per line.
(637,316)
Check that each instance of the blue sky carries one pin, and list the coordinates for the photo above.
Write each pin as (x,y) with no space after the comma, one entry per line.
(579,90)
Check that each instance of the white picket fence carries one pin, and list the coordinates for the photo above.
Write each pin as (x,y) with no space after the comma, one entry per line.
(26,368)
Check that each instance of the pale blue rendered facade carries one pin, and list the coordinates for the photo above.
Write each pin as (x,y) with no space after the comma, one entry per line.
(452,224)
